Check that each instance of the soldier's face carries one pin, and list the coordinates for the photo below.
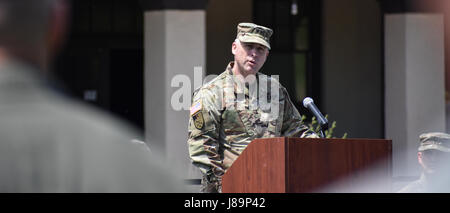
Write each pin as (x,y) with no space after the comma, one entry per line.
(249,57)
(434,161)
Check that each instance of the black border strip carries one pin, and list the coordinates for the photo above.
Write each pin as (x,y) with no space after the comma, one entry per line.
(152,5)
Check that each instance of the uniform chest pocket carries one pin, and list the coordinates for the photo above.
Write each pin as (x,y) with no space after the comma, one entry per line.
(256,123)
(232,123)
(260,123)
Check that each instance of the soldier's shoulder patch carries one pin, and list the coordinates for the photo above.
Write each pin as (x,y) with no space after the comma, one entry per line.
(198,120)
(197,106)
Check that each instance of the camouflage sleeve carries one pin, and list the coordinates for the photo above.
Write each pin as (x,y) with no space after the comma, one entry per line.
(292,121)
(203,138)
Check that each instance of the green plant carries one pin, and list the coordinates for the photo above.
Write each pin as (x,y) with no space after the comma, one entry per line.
(314,126)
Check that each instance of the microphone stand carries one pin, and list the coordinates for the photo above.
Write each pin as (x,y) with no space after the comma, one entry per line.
(323,127)
(321,134)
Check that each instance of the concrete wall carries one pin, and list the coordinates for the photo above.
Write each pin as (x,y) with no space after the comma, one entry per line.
(352,73)
(174,45)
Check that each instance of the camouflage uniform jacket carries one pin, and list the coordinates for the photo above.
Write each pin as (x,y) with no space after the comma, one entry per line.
(418,186)
(425,185)
(219,130)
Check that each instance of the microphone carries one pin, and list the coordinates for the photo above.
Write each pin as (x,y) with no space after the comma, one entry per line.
(309,103)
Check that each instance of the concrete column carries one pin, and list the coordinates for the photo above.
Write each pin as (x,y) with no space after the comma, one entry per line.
(414,84)
(175,43)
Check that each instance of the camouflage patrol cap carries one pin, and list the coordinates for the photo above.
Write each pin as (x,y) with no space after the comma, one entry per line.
(435,140)
(249,32)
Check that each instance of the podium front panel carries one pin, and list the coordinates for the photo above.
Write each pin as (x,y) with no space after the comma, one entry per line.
(311,165)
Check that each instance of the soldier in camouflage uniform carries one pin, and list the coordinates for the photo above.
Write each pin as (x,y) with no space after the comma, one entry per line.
(434,157)
(227,113)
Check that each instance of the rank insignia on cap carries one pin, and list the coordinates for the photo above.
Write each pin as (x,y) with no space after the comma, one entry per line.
(198,120)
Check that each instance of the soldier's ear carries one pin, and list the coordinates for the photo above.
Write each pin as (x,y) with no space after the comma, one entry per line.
(58,25)
(420,157)
(233,47)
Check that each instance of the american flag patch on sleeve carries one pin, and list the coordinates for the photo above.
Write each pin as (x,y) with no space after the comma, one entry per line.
(197,106)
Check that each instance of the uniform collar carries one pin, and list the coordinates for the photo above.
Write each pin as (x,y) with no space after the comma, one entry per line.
(229,72)
(229,68)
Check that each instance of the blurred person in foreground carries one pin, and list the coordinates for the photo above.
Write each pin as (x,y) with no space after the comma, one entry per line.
(48,142)
(434,157)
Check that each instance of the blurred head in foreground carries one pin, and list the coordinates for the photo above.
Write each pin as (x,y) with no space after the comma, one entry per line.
(32,31)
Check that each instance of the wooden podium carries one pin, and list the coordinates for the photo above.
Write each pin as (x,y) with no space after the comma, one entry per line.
(290,165)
